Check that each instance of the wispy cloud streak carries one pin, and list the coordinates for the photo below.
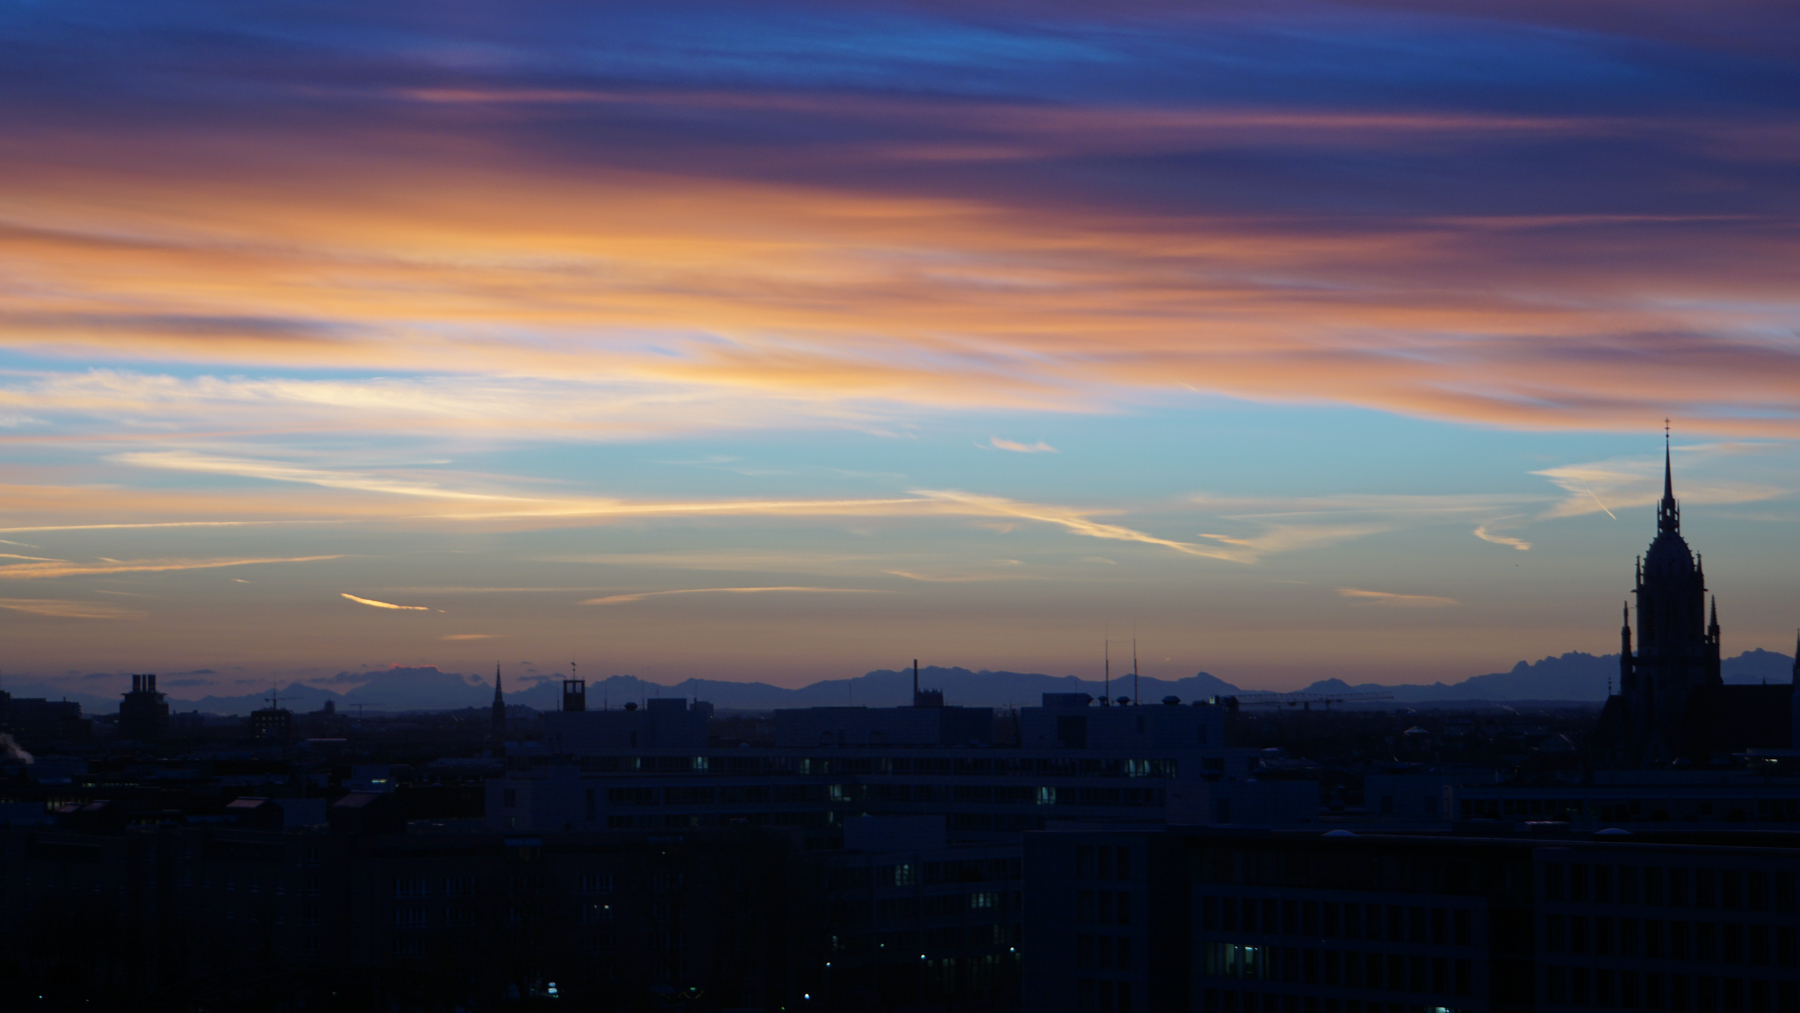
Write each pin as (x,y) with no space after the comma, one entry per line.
(372,603)
(64,609)
(620,599)
(1485,535)
(45,571)
(1395,600)
(1040,447)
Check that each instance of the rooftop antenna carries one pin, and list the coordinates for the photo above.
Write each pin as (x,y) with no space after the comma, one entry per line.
(1106,652)
(915,682)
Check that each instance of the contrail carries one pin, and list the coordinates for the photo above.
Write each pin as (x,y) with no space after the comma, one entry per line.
(1597,502)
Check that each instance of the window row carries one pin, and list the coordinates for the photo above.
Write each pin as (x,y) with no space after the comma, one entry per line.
(419,917)
(1655,939)
(878,766)
(973,870)
(985,902)
(1395,972)
(906,944)
(1437,926)
(811,818)
(1093,996)
(1103,861)
(1232,1001)
(1675,886)
(1107,907)
(1105,952)
(420,886)
(1668,993)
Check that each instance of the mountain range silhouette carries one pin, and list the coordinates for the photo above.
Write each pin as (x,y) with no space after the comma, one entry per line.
(1571,677)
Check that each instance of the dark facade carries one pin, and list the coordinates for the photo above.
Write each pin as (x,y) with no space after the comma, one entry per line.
(1105,921)
(272,724)
(1246,922)
(923,927)
(40,723)
(222,917)
(1668,928)
(143,713)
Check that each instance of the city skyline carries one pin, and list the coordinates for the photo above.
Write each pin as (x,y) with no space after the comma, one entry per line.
(1302,342)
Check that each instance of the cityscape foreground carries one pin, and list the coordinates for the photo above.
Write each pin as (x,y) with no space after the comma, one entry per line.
(1236,854)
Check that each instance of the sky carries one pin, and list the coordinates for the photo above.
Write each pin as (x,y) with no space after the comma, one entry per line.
(789,340)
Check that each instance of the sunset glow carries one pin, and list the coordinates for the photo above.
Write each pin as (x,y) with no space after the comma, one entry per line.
(1312,339)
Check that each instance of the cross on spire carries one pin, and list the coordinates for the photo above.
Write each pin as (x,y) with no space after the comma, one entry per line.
(1668,515)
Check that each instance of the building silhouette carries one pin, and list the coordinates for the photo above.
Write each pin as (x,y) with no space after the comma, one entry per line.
(273,723)
(1233,920)
(143,713)
(1672,707)
(497,716)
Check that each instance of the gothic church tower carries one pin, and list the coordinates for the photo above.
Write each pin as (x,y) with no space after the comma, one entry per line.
(1677,649)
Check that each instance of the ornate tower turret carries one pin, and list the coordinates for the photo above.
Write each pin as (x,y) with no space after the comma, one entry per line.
(1626,682)
(1677,649)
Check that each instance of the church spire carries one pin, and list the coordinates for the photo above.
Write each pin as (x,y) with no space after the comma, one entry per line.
(1668,514)
(497,719)
(1668,471)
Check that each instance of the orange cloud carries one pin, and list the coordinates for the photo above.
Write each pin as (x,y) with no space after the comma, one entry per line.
(618,599)
(63,609)
(43,571)
(385,605)
(725,303)
(1396,600)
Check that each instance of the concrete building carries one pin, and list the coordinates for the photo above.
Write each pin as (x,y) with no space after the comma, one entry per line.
(1069,721)
(1648,799)
(1238,921)
(865,727)
(662,723)
(241,915)
(914,921)
(38,723)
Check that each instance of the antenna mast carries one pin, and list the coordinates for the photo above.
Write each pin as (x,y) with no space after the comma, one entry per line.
(1134,674)
(1106,652)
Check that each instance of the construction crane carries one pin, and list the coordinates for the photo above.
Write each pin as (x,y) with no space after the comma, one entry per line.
(1304,701)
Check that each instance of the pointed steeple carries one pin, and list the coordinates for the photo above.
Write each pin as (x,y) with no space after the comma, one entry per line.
(497,718)
(1668,513)
(1668,468)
